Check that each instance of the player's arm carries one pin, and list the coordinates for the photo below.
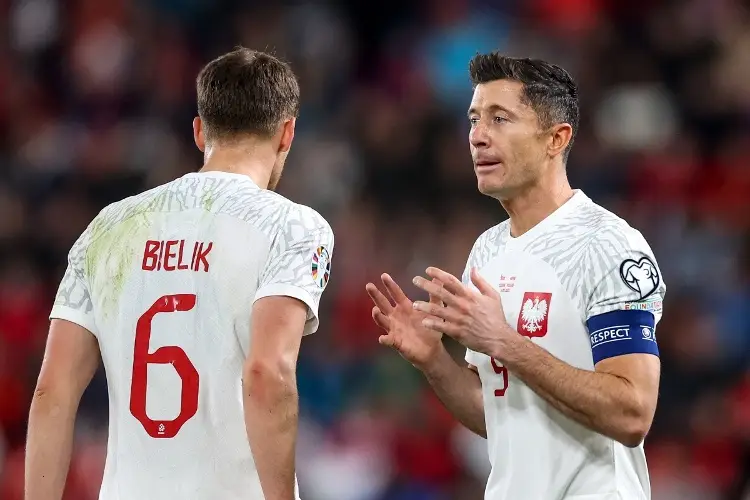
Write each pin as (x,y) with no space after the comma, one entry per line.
(70,360)
(459,389)
(618,399)
(285,310)
(270,391)
(457,386)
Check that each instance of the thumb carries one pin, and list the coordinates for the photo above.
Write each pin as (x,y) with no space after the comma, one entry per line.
(386,340)
(433,299)
(482,285)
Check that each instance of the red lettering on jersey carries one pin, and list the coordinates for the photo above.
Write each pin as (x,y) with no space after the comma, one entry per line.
(180,264)
(150,257)
(170,256)
(532,320)
(195,252)
(500,370)
(161,256)
(201,257)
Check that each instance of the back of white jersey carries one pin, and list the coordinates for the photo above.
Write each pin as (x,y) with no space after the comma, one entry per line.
(166,281)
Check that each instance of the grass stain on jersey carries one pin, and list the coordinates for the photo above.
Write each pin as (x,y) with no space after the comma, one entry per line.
(111,257)
(208,198)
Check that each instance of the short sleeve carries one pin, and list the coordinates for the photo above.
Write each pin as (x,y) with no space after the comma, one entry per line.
(299,263)
(73,300)
(626,303)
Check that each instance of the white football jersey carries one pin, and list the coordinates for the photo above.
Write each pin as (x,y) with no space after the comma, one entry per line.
(166,281)
(565,284)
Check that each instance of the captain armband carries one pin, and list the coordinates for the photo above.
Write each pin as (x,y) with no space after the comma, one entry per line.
(622,332)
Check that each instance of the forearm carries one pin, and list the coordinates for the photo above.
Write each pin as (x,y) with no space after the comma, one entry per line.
(49,447)
(271,415)
(603,402)
(460,390)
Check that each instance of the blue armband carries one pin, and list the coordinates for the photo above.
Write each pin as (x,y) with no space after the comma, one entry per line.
(622,332)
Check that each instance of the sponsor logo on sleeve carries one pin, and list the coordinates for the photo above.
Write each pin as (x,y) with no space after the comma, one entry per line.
(321,266)
(640,276)
(653,305)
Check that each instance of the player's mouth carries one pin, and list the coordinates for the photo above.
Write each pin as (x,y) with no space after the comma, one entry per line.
(484,166)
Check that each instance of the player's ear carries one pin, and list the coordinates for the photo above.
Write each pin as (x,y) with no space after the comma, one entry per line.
(560,136)
(287,135)
(198,134)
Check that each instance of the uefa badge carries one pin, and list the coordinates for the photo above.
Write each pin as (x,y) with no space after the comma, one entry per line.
(641,277)
(321,266)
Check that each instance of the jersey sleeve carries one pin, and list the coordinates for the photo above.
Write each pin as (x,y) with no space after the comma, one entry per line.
(73,300)
(626,303)
(299,263)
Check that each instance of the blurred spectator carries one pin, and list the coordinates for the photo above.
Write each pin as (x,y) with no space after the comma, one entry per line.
(96,100)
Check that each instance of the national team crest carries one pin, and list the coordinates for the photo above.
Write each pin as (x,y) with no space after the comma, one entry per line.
(532,322)
(321,266)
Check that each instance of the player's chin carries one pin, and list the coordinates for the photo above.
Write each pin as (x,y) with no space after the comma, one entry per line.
(491,185)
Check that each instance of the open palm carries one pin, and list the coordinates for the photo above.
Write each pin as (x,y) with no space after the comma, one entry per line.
(394,313)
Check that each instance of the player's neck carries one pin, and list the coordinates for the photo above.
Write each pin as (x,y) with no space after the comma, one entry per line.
(536,203)
(251,161)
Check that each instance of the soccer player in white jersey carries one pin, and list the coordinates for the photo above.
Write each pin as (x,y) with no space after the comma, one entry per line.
(557,307)
(196,295)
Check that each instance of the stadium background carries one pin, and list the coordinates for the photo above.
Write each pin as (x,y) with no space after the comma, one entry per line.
(96,98)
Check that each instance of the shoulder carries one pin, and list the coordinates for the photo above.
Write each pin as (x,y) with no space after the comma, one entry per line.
(296,226)
(618,252)
(487,244)
(121,210)
(306,218)
(608,236)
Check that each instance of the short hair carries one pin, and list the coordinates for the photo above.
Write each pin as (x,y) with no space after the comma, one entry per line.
(547,88)
(246,92)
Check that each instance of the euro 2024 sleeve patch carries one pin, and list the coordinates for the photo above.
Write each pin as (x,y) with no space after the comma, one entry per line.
(321,266)
(640,276)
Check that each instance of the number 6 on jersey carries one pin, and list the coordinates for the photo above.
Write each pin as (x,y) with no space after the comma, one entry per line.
(173,355)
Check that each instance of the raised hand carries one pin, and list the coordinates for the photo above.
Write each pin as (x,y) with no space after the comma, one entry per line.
(474,318)
(404,331)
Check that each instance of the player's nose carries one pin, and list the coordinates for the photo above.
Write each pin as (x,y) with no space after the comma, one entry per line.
(479,137)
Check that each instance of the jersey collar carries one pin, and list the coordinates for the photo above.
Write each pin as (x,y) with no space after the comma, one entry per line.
(548,222)
(215,174)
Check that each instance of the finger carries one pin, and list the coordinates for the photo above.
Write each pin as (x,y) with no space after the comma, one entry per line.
(437,311)
(381,301)
(381,319)
(434,299)
(482,285)
(438,291)
(398,295)
(387,341)
(446,327)
(450,282)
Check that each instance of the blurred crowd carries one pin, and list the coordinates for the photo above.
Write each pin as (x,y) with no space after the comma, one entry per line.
(96,99)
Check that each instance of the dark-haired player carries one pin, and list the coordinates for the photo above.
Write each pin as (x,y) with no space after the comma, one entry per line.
(196,293)
(557,307)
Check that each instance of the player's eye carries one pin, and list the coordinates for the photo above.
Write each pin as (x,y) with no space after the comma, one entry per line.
(474,120)
(500,119)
